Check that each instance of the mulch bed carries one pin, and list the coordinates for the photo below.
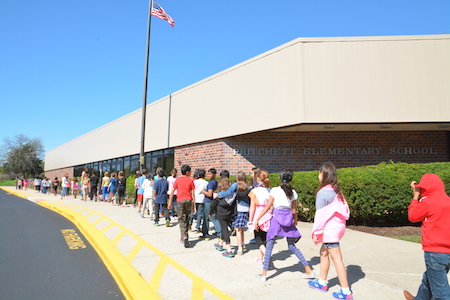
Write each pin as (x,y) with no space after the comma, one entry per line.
(388,231)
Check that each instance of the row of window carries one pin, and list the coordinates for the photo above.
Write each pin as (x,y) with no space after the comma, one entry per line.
(130,164)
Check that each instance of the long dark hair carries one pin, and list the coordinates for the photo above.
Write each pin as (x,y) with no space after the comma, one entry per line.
(329,177)
(286,178)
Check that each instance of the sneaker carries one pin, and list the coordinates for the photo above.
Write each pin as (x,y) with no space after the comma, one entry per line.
(228,254)
(240,252)
(308,276)
(253,241)
(340,295)
(186,242)
(167,223)
(156,224)
(204,238)
(259,261)
(218,247)
(142,216)
(314,284)
(260,277)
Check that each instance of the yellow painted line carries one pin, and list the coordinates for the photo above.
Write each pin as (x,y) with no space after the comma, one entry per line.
(125,275)
(98,221)
(132,285)
(108,227)
(119,236)
(18,194)
(158,274)
(135,250)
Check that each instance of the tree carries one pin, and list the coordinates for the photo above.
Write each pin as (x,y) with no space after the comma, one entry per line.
(22,155)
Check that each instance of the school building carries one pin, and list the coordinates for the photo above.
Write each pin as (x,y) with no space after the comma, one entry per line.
(354,101)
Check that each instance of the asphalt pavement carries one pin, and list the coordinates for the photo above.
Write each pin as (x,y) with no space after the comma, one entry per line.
(149,262)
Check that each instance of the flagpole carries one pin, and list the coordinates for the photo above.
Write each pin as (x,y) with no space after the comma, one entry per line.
(144,98)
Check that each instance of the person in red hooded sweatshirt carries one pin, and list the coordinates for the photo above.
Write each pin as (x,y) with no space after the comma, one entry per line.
(433,210)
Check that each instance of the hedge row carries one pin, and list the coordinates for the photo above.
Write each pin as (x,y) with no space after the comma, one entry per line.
(376,195)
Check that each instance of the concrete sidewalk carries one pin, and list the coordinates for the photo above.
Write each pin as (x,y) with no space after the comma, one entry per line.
(378,267)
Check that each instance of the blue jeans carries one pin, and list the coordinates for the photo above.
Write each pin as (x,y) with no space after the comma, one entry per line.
(205,215)
(64,192)
(214,220)
(435,281)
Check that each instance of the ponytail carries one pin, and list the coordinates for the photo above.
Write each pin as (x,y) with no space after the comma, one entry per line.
(286,178)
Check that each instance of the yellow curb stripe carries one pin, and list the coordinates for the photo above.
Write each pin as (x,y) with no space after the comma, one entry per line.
(127,278)
(197,289)
(131,284)
(118,237)
(158,274)
(98,221)
(108,227)
(135,250)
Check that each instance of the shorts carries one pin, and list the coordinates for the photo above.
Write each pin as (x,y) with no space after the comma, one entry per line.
(331,245)
(140,197)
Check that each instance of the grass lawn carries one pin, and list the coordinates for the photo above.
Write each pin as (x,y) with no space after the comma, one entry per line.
(7,183)
(410,238)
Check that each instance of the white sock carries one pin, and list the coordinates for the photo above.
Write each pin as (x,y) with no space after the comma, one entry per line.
(346,290)
(323,282)
(239,248)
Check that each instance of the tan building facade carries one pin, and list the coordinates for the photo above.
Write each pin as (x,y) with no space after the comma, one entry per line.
(351,100)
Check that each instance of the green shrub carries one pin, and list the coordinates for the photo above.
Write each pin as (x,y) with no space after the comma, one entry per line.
(375,194)
(130,189)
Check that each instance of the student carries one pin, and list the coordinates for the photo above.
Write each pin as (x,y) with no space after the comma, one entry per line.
(242,207)
(113,188)
(171,180)
(259,198)
(75,186)
(185,198)
(121,187)
(208,192)
(136,186)
(329,227)
(283,223)
(202,217)
(140,190)
(160,188)
(55,185)
(25,184)
(433,210)
(149,199)
(105,186)
(94,187)
(224,208)
(65,184)
(85,186)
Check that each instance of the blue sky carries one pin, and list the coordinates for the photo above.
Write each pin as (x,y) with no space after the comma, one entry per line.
(68,67)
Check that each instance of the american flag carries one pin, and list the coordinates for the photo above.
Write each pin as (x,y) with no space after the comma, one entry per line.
(159,12)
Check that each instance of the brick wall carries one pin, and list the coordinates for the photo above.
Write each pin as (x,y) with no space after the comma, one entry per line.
(59,173)
(302,151)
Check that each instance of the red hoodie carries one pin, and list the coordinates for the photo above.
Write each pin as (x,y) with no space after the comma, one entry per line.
(433,210)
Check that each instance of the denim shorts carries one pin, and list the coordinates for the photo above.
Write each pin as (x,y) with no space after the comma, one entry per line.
(331,245)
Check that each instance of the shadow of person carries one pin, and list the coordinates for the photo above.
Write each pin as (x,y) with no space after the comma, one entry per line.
(354,274)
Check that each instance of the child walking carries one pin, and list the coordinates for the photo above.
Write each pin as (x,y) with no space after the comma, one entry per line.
(148,196)
(184,186)
(75,187)
(329,227)
(224,208)
(259,198)
(283,223)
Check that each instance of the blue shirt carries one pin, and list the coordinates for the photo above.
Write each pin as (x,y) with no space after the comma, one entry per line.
(140,182)
(161,186)
(212,185)
(113,184)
